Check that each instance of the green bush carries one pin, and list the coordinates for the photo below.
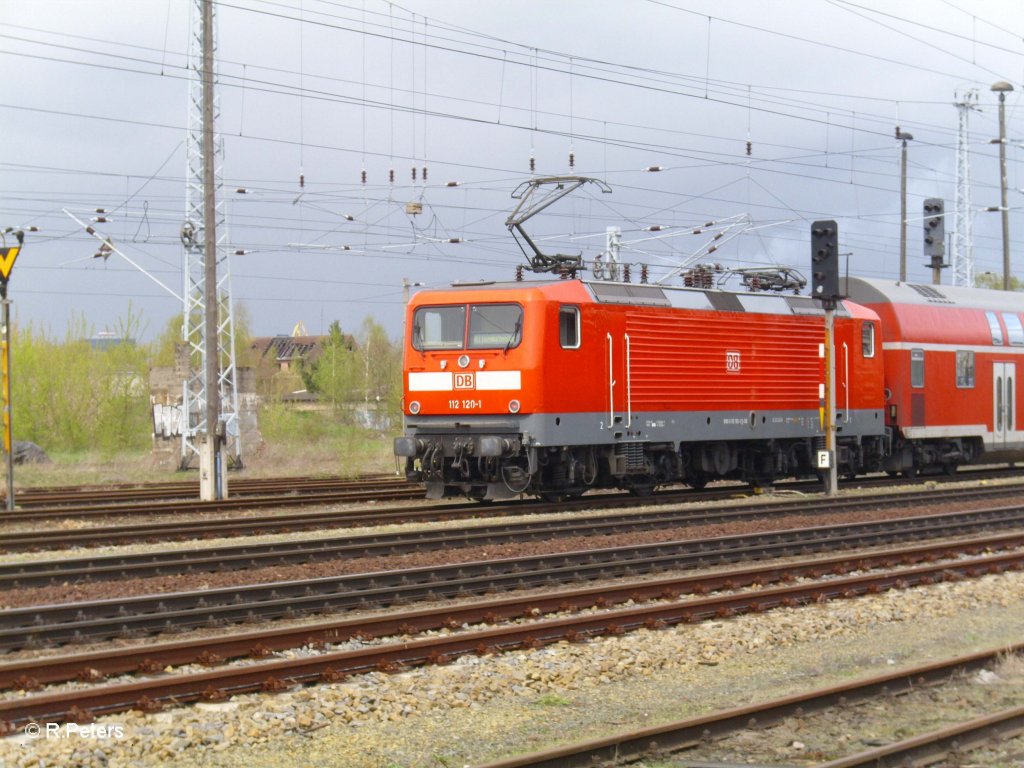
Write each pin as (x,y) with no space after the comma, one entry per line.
(74,399)
(68,396)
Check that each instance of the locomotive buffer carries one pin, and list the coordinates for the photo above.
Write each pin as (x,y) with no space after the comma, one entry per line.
(825,287)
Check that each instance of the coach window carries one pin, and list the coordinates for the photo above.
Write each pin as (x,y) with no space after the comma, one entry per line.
(867,339)
(495,326)
(993,326)
(439,327)
(917,367)
(965,369)
(569,327)
(1014,331)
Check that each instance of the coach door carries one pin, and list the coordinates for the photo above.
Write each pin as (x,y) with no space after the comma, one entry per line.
(1004,408)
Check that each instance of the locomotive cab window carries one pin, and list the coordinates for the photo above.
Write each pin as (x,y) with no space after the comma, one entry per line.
(867,340)
(917,367)
(965,369)
(439,328)
(1014,330)
(995,328)
(495,326)
(569,327)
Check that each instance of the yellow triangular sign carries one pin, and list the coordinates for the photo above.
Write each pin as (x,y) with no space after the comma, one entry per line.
(7,257)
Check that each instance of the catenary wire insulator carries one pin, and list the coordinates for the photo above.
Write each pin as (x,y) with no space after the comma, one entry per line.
(362,175)
(414,173)
(391,175)
(424,173)
(302,181)
(572,159)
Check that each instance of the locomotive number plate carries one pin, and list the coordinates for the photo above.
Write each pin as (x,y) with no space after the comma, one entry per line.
(732,361)
(465,405)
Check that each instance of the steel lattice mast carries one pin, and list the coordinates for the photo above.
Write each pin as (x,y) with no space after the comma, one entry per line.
(195,295)
(962,260)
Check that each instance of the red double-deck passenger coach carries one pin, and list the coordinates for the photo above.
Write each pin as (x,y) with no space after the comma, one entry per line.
(953,358)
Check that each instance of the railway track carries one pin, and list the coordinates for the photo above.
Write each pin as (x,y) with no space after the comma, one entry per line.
(148,614)
(925,749)
(152,692)
(389,488)
(256,555)
(80,495)
(63,538)
(99,511)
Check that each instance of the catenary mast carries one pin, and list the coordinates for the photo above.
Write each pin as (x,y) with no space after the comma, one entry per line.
(962,260)
(210,391)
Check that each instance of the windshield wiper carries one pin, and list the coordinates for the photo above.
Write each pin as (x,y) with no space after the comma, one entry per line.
(515,333)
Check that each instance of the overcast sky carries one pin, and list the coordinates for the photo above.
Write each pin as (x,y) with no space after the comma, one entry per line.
(95,95)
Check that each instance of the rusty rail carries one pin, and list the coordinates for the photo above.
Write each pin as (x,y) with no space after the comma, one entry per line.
(254,555)
(121,617)
(333,666)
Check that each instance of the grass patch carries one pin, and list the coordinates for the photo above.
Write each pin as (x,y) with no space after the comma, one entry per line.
(99,468)
(294,443)
(310,443)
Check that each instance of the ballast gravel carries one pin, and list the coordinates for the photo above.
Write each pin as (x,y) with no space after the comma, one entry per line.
(482,708)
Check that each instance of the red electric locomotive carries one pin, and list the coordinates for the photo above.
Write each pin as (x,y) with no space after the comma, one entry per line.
(555,387)
(952,362)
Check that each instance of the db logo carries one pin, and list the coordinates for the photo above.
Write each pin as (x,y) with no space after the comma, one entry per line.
(464,381)
(732,362)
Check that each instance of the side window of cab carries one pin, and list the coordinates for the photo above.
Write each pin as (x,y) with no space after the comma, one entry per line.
(569,327)
(867,340)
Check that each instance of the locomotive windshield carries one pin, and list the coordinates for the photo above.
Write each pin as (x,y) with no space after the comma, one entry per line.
(491,326)
(439,327)
(495,325)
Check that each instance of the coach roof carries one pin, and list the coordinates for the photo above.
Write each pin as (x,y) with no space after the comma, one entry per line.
(872,291)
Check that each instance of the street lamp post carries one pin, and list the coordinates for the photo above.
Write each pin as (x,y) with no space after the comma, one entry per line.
(1002,87)
(904,137)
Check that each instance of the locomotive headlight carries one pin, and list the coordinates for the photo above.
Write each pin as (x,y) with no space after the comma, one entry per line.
(414,407)
(463,361)
(513,406)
